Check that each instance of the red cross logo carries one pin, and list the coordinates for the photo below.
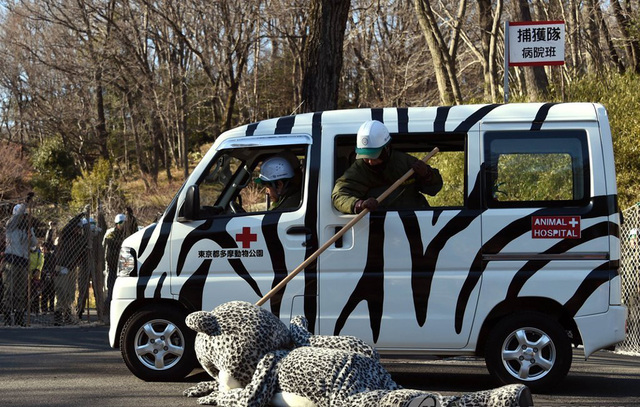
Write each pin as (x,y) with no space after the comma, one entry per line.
(246,237)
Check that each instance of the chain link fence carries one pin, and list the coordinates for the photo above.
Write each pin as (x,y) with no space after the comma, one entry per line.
(67,277)
(630,276)
(70,266)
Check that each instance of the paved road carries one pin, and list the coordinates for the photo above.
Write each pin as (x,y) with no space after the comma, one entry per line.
(74,366)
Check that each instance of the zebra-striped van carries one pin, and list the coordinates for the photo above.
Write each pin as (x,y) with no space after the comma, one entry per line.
(514,260)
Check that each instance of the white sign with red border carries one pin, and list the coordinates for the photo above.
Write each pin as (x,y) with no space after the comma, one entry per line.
(536,43)
(555,227)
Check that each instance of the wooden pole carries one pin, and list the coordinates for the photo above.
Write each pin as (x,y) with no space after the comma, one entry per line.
(341,232)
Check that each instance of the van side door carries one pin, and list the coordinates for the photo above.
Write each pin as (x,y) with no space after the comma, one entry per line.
(545,230)
(235,245)
(395,278)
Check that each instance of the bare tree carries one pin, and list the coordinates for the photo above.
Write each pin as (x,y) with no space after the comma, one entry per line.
(623,15)
(443,55)
(322,62)
(387,62)
(222,57)
(489,23)
(273,86)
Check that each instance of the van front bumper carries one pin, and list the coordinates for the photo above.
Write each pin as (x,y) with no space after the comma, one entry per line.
(118,306)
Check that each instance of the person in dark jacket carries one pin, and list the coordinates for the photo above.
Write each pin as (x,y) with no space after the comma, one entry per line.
(130,223)
(376,168)
(47,300)
(70,255)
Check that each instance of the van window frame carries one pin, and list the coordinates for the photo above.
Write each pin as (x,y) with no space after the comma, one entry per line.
(250,156)
(490,161)
(410,142)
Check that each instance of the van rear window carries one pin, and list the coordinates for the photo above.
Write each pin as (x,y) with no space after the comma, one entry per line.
(536,169)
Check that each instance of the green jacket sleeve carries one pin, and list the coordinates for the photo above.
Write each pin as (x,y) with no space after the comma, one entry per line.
(349,188)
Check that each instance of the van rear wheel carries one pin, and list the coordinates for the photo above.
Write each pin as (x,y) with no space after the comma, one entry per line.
(528,348)
(157,345)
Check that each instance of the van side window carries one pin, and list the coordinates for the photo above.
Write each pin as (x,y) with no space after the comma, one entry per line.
(233,185)
(450,162)
(536,168)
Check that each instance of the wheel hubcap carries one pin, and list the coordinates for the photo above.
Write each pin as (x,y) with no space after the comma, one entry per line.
(528,354)
(159,344)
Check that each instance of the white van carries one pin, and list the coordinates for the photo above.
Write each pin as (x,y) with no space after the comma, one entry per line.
(515,260)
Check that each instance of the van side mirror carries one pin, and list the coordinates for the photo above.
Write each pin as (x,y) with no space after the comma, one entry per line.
(192,203)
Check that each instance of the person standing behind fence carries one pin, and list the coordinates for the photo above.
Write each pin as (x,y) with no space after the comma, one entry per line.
(130,223)
(69,256)
(19,238)
(84,273)
(36,262)
(47,300)
(111,243)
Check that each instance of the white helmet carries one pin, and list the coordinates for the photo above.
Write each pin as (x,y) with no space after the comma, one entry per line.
(371,139)
(273,169)
(120,218)
(18,209)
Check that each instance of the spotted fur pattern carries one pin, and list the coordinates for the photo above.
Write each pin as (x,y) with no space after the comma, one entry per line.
(264,358)
(235,337)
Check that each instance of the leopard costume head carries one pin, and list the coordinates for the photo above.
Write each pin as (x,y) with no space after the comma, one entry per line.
(234,337)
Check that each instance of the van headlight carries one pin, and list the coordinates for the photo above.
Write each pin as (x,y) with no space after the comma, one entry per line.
(127,263)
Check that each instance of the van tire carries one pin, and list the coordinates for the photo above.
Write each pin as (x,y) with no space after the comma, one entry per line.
(514,343)
(149,354)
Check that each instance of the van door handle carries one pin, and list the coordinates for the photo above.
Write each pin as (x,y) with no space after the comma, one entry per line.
(301,230)
(339,244)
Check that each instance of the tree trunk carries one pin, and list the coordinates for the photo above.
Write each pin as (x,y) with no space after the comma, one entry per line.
(593,56)
(101,127)
(493,53)
(631,45)
(485,23)
(613,54)
(443,64)
(323,54)
(143,168)
(535,77)
(574,38)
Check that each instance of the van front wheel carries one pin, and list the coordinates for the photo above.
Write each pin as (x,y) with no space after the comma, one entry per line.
(528,348)
(157,345)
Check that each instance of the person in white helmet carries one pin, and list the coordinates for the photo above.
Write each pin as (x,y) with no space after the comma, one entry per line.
(282,181)
(377,167)
(111,242)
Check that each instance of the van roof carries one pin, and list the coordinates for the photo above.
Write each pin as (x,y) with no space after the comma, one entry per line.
(439,118)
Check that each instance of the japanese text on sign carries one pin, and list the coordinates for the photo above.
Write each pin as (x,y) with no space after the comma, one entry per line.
(536,43)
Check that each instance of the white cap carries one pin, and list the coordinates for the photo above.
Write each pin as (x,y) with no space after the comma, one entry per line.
(371,139)
(120,218)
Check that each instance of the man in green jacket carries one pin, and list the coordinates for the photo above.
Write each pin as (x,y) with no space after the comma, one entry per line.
(377,167)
